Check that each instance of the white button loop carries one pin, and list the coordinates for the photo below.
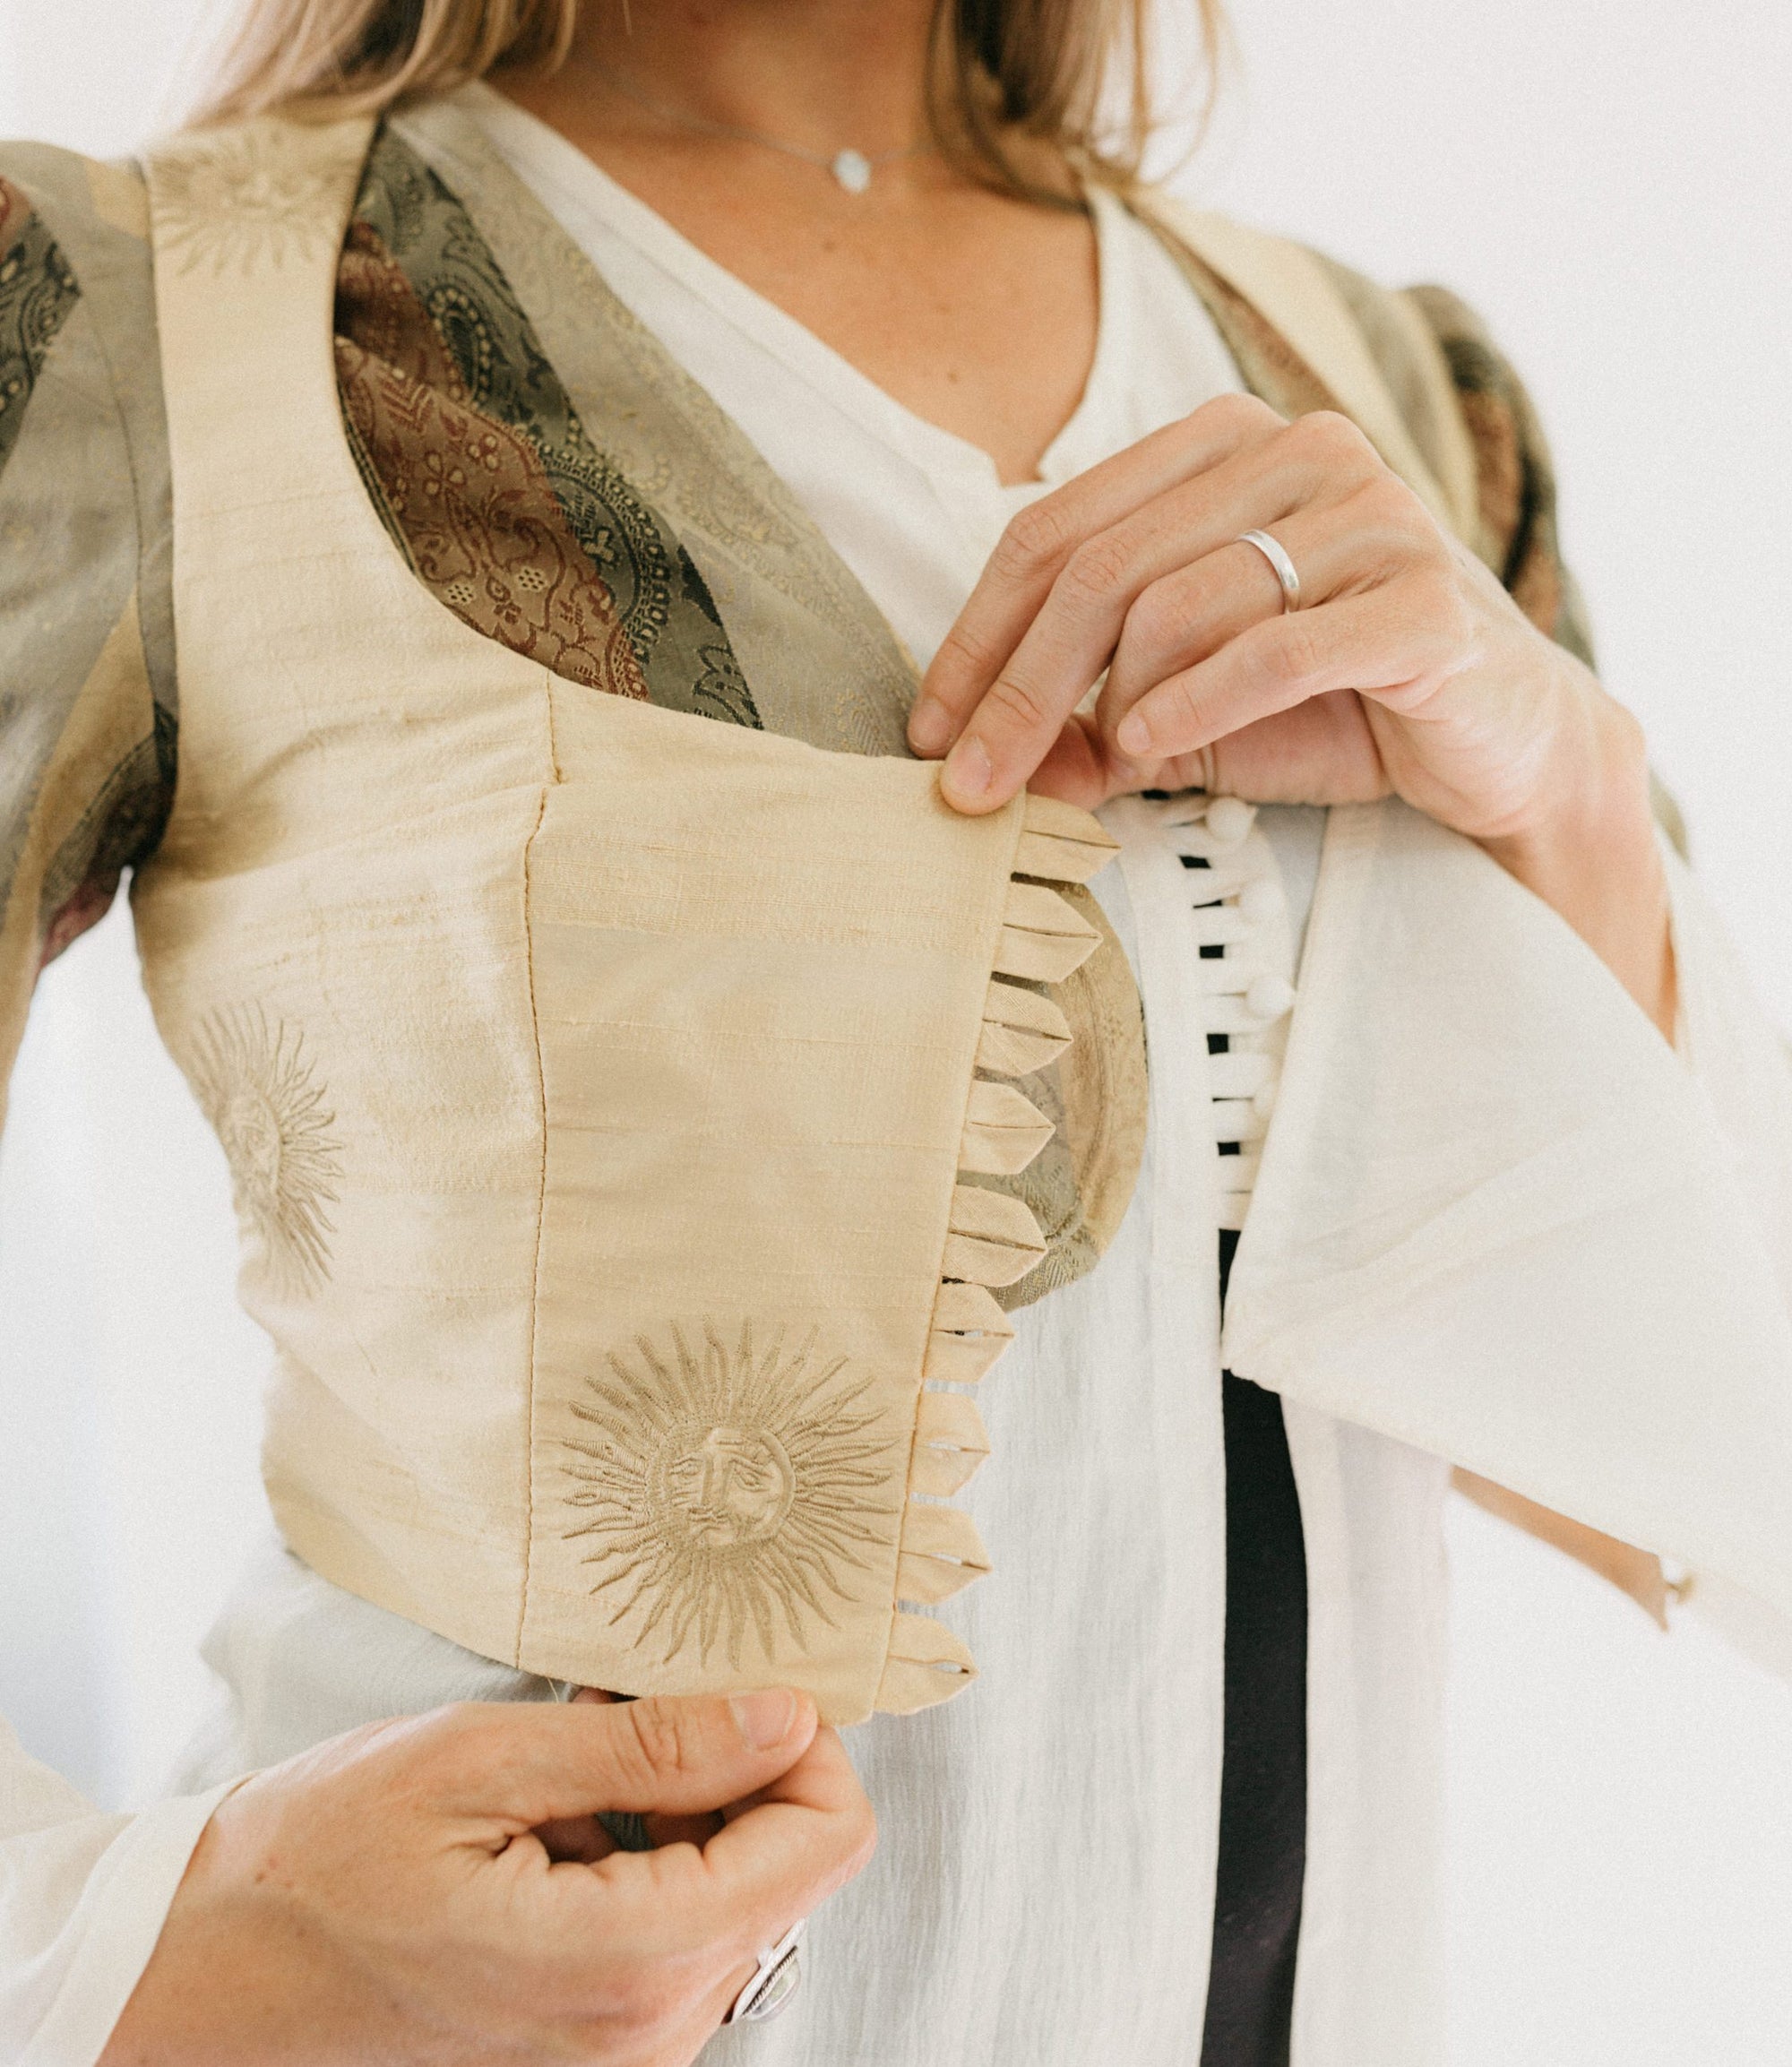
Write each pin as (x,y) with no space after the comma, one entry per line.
(1247,987)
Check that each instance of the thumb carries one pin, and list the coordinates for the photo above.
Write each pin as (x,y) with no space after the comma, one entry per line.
(530,1764)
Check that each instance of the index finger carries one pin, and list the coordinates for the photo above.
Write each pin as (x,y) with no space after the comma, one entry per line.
(965,679)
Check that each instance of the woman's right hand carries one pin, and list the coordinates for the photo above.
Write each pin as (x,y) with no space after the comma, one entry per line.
(386,1897)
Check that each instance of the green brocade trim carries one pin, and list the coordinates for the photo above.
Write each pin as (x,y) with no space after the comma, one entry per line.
(38,289)
(483,473)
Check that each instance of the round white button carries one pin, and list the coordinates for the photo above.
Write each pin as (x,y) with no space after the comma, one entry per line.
(1229,819)
(1258,900)
(1269,996)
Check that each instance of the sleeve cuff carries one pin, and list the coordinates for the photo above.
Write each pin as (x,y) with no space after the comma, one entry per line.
(62,1992)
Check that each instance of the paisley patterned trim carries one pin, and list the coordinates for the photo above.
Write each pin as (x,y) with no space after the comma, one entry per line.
(465,494)
(38,291)
(483,473)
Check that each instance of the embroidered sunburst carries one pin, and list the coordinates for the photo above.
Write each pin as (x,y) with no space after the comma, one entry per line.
(727,1490)
(257,1086)
(233,202)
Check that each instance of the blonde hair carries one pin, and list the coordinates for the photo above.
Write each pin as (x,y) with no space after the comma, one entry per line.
(1007,77)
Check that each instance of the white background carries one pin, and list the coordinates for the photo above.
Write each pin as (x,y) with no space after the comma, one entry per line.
(1610,183)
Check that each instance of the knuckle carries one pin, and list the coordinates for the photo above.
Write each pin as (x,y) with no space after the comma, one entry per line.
(1386,504)
(1099,572)
(453,1736)
(1330,433)
(962,655)
(1017,707)
(1240,413)
(1178,710)
(1157,621)
(1295,656)
(654,1738)
(1036,538)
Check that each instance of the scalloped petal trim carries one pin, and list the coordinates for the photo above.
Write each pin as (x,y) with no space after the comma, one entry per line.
(951,1443)
(926,1664)
(1045,938)
(941,1554)
(1003,1131)
(1022,1031)
(992,1239)
(1079,842)
(1062,842)
(970,1333)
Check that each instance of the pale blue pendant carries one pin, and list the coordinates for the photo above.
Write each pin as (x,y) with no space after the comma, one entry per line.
(852,168)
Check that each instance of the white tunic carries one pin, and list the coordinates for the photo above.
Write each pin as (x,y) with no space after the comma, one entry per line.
(1042,1894)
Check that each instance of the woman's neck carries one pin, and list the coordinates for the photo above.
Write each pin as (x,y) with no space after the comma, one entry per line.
(823,75)
(974,309)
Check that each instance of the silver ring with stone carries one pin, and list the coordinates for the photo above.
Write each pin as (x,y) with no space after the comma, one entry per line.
(774,1982)
(1280,565)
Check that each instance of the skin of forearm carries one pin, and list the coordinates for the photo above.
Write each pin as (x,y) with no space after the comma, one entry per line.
(1590,853)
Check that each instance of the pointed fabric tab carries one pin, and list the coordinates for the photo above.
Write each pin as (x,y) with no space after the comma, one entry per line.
(1003,1131)
(1022,1031)
(926,1664)
(970,1333)
(941,1554)
(969,1310)
(994,1238)
(1045,938)
(1062,842)
(951,1443)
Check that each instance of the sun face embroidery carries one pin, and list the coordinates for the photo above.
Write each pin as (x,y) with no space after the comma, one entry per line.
(231,203)
(728,1492)
(257,1086)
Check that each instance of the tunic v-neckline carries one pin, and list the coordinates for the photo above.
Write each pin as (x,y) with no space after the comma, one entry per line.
(548,160)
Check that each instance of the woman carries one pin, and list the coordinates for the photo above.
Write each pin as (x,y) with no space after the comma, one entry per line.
(547,898)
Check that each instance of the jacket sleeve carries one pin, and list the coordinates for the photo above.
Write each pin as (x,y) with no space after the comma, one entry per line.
(87,737)
(1725,1037)
(86,687)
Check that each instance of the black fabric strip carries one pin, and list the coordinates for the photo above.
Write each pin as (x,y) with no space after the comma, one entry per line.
(1263,1802)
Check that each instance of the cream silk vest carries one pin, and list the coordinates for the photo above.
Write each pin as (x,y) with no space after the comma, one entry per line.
(623,1108)
(598,1081)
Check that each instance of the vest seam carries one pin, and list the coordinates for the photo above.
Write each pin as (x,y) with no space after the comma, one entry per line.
(554,779)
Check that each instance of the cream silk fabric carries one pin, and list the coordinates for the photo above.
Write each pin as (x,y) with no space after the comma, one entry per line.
(825,663)
(598,1081)
(1008,1919)
(678,1273)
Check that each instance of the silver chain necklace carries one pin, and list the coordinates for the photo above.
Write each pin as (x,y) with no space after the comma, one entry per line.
(852,168)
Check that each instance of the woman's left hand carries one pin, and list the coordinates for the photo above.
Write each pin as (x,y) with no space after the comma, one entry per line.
(1407,670)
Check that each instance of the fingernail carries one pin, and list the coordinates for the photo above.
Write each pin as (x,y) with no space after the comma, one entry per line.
(1134,736)
(967,774)
(929,726)
(765,1719)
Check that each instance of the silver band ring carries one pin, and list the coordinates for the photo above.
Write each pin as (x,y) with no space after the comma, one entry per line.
(774,1982)
(1283,567)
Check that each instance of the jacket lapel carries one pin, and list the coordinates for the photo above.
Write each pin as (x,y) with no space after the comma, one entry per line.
(824,664)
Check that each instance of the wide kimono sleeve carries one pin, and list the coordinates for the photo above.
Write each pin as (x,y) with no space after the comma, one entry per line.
(87,737)
(1738,1058)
